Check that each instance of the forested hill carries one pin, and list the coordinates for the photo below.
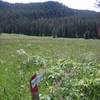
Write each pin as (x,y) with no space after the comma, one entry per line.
(38,10)
(47,19)
(48,9)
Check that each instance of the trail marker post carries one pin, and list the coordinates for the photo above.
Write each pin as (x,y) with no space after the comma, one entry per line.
(35,80)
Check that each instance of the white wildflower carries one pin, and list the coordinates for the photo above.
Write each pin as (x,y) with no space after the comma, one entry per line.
(22,86)
(20,72)
(21,52)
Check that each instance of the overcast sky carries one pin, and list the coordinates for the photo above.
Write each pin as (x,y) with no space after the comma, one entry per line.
(77,4)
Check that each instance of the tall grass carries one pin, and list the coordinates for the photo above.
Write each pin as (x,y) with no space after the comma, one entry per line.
(72,73)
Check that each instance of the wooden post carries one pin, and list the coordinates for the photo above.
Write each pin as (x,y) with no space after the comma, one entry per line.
(34,88)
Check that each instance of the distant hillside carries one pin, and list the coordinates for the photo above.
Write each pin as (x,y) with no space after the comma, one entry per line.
(38,10)
(29,18)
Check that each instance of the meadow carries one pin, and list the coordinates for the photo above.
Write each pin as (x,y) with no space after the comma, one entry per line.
(72,67)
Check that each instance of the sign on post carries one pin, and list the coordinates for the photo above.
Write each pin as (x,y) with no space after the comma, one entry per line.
(35,80)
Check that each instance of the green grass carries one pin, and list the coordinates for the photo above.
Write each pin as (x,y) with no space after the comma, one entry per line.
(15,76)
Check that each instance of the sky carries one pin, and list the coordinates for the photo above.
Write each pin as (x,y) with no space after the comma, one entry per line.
(77,4)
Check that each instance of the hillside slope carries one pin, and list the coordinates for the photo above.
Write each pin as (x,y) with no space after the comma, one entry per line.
(38,10)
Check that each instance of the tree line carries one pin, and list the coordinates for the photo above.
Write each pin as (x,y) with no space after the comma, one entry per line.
(48,19)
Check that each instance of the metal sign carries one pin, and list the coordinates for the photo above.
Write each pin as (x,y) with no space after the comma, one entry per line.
(36,80)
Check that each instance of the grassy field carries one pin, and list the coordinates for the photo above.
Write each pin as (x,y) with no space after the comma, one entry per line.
(15,73)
